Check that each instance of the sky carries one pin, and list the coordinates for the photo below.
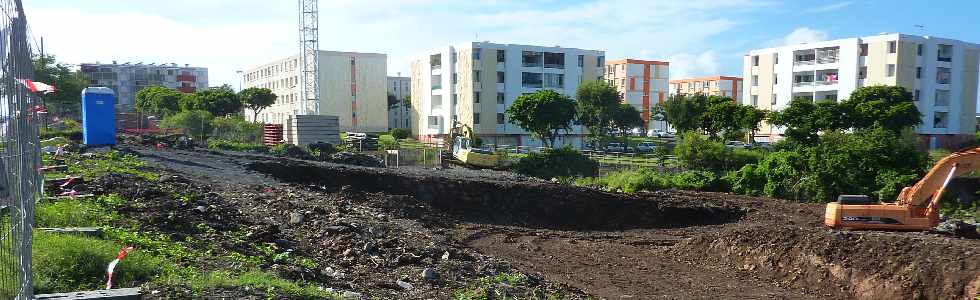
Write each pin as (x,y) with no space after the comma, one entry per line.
(697,37)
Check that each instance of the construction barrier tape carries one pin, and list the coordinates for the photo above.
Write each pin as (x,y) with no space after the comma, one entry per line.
(112,265)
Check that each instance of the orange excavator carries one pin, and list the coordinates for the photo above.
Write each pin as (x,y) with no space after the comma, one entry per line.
(917,206)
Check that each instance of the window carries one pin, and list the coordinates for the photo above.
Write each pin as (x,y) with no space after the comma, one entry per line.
(755,100)
(863,50)
(918,72)
(918,50)
(755,61)
(775,79)
(942,98)
(915,96)
(581,61)
(476,53)
(500,98)
(476,118)
(600,61)
(755,80)
(554,80)
(891,70)
(435,61)
(436,101)
(433,121)
(892,46)
(531,59)
(455,97)
(476,75)
(436,82)
(501,119)
(939,119)
(531,80)
(830,97)
(775,58)
(476,97)
(863,73)
(943,75)
(554,60)
(945,53)
(454,78)
(500,77)
(773,102)
(501,56)
(454,57)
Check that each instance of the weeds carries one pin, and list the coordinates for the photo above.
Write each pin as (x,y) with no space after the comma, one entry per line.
(73,213)
(111,162)
(66,262)
(259,280)
(503,286)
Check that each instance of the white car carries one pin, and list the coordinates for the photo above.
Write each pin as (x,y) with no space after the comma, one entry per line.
(658,133)
(737,144)
(646,147)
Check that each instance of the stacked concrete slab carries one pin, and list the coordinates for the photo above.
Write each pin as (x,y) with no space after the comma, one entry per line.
(302,130)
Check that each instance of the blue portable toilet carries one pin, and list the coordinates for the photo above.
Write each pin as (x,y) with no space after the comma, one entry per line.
(98,116)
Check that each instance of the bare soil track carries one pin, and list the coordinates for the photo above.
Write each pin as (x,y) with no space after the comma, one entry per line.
(577,242)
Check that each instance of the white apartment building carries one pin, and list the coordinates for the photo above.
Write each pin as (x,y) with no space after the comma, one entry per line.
(399,116)
(941,73)
(475,82)
(643,84)
(127,79)
(352,87)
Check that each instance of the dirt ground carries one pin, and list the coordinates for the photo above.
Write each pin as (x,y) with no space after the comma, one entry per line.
(370,228)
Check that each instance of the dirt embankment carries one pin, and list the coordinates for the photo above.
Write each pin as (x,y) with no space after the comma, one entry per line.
(663,245)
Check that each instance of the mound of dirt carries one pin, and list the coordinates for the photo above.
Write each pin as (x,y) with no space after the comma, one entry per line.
(356,159)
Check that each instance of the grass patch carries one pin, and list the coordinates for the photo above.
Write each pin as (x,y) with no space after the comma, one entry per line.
(72,213)
(631,181)
(67,262)
(503,286)
(111,162)
(267,282)
(236,146)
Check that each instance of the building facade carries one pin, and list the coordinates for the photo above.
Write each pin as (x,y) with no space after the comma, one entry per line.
(474,83)
(725,86)
(941,73)
(352,87)
(127,79)
(399,115)
(643,83)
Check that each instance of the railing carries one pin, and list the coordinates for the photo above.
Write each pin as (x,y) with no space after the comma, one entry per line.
(825,82)
(803,62)
(805,83)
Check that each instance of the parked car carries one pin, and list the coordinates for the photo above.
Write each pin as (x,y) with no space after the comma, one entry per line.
(617,147)
(659,133)
(646,147)
(737,144)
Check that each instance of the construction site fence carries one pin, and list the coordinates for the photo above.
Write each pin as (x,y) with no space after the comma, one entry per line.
(412,153)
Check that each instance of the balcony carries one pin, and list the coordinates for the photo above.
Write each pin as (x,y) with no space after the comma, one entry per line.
(190,78)
(187,89)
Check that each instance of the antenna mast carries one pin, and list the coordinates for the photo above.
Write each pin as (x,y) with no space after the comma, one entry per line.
(309,57)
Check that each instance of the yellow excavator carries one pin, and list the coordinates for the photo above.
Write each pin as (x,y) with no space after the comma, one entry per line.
(917,206)
(460,142)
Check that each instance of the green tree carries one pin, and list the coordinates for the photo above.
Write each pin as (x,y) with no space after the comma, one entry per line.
(66,101)
(219,101)
(257,99)
(543,113)
(889,107)
(596,104)
(658,113)
(804,120)
(721,114)
(158,100)
(684,112)
(625,119)
(195,123)
(749,117)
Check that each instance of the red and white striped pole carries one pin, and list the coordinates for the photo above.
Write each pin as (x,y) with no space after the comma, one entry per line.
(112,265)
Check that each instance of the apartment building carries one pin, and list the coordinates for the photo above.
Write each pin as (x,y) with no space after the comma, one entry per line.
(399,115)
(643,83)
(352,87)
(127,79)
(725,86)
(475,82)
(941,73)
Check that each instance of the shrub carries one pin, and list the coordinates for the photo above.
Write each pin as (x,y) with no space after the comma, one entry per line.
(555,163)
(698,152)
(631,181)
(67,263)
(235,128)
(72,213)
(400,133)
(222,144)
(387,142)
(194,123)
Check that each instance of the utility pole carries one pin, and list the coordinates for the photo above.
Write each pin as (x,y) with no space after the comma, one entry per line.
(309,56)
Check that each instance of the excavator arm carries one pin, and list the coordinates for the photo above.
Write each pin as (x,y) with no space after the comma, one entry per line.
(921,194)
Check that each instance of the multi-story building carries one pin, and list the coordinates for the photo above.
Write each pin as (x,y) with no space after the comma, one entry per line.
(725,86)
(643,83)
(940,73)
(352,87)
(127,79)
(475,82)
(399,115)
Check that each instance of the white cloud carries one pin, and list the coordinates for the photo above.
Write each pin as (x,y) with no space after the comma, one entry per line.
(804,35)
(687,65)
(829,7)
(226,35)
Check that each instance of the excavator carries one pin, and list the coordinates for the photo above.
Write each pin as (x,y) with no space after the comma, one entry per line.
(460,137)
(917,206)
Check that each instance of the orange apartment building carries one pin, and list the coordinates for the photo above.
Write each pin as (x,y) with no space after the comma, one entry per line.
(643,83)
(726,86)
